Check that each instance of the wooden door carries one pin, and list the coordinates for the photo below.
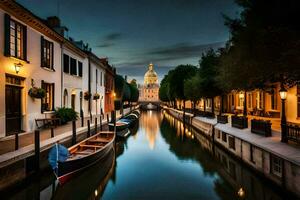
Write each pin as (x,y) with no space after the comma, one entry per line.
(13,109)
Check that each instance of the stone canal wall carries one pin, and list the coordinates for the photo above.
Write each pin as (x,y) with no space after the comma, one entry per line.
(276,161)
(17,165)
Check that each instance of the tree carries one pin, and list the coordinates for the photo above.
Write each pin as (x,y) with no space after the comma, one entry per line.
(119,90)
(163,89)
(176,80)
(208,86)
(191,90)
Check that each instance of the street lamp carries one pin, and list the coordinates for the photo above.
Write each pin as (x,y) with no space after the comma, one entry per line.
(283,95)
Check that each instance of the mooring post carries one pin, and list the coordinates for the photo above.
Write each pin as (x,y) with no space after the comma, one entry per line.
(82,120)
(52,132)
(100,123)
(107,117)
(16,141)
(96,125)
(89,128)
(73,132)
(37,149)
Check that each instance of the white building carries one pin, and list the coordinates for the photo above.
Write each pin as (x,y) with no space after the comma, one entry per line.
(35,59)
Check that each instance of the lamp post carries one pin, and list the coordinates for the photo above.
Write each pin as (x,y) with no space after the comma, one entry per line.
(283,94)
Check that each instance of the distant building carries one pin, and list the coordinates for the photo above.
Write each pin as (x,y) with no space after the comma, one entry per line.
(149,90)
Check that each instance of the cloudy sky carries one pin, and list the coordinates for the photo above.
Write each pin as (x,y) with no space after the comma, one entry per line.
(133,33)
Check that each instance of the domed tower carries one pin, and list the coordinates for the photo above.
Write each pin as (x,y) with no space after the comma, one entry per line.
(149,91)
(150,76)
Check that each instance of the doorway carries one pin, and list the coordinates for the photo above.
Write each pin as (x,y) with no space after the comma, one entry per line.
(13,109)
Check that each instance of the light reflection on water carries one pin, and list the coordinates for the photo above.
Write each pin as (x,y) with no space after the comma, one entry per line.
(162,159)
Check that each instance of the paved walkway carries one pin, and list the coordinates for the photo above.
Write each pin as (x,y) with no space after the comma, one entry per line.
(7,144)
(288,151)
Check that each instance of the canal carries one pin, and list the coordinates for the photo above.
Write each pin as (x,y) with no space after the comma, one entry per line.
(162,159)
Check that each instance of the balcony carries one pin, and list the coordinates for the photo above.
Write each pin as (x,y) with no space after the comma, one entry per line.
(293,132)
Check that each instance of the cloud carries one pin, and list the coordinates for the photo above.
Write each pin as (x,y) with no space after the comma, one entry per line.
(183,50)
(109,40)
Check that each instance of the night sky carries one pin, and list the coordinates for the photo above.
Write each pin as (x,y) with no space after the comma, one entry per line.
(133,33)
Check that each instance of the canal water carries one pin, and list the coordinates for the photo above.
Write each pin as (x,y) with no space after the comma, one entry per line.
(162,159)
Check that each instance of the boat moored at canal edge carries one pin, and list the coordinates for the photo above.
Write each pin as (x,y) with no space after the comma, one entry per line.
(83,155)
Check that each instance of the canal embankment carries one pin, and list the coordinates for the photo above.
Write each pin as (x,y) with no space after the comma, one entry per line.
(17,165)
(279,162)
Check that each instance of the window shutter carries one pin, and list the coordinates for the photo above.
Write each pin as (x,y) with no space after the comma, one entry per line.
(42,52)
(79,68)
(7,35)
(66,64)
(25,43)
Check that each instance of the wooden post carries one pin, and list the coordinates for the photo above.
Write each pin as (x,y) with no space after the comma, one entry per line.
(52,132)
(100,123)
(107,117)
(37,149)
(73,132)
(96,125)
(89,128)
(82,121)
(16,141)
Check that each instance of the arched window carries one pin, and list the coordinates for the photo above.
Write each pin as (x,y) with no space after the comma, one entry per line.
(65,98)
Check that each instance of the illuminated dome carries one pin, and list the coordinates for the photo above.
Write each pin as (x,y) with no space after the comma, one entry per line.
(150,76)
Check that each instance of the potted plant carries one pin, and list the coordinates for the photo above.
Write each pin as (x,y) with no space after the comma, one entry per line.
(36,92)
(96,96)
(66,114)
(87,95)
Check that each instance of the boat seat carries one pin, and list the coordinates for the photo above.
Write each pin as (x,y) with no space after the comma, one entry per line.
(82,152)
(100,140)
(89,145)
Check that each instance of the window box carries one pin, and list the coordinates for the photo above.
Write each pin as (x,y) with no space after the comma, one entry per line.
(262,127)
(87,96)
(240,122)
(223,119)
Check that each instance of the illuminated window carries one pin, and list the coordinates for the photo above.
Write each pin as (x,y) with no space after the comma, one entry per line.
(260,100)
(46,53)
(17,39)
(298,100)
(249,100)
(48,100)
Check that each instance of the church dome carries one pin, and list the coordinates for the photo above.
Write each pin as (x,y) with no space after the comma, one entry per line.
(150,75)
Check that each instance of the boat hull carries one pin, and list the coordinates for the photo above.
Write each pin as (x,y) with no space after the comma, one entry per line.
(66,170)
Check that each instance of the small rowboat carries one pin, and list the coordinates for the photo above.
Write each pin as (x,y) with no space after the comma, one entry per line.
(120,125)
(67,162)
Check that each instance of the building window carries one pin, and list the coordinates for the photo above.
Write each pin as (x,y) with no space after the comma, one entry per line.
(241,100)
(96,76)
(73,66)
(218,134)
(46,53)
(79,68)
(66,63)
(65,98)
(260,100)
(231,142)
(224,137)
(274,100)
(249,100)
(73,98)
(276,165)
(48,101)
(16,38)
(298,100)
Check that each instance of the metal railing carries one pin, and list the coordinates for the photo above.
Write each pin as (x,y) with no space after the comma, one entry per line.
(293,132)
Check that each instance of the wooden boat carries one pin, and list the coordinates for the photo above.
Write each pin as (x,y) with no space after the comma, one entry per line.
(120,125)
(123,133)
(84,154)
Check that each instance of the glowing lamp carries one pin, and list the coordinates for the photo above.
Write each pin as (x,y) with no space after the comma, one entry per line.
(283,93)
(18,67)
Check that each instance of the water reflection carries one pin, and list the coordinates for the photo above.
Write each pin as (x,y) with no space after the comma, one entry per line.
(162,159)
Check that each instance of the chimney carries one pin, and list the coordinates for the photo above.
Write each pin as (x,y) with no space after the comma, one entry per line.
(54,23)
